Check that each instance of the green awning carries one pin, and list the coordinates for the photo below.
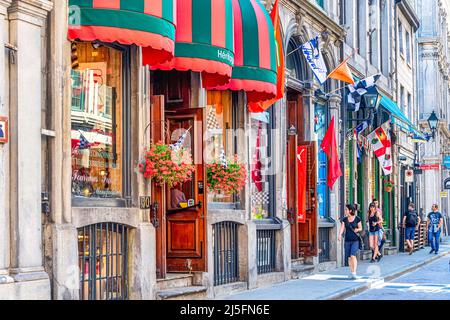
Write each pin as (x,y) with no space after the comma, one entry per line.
(399,118)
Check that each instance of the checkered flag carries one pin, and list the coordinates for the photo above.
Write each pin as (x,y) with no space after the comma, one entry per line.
(223,158)
(211,121)
(260,198)
(177,145)
(359,89)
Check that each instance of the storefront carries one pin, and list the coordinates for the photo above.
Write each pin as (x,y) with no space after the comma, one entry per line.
(142,76)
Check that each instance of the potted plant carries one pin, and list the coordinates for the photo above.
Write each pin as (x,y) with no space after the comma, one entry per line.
(166,165)
(227,179)
(388,185)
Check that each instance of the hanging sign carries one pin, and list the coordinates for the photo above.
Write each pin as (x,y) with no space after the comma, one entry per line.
(302,158)
(409,175)
(446,162)
(4,130)
(430,166)
(447,184)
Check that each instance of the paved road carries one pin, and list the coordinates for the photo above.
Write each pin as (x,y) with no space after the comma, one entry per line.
(430,282)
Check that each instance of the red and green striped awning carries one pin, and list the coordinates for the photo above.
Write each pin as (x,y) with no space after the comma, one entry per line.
(146,23)
(255,67)
(204,40)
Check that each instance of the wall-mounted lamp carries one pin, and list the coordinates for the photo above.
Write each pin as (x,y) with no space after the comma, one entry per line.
(433,121)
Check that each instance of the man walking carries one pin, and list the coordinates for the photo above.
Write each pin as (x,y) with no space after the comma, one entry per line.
(434,227)
(411,222)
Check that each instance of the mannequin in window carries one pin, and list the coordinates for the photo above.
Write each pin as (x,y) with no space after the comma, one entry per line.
(177,196)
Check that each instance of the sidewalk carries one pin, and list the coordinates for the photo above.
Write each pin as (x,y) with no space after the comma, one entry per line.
(334,285)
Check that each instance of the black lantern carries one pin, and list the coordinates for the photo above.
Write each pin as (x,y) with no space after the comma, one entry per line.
(372,100)
(433,123)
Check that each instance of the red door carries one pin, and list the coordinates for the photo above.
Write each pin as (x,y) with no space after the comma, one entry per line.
(186,247)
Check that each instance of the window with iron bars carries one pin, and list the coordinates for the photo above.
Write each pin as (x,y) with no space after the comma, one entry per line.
(226,245)
(103,261)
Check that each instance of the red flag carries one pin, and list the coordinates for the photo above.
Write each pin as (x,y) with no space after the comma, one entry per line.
(257,165)
(329,146)
(264,105)
(302,159)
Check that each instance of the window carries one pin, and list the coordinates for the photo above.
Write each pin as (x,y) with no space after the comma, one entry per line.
(97,113)
(402,99)
(260,162)
(410,108)
(408,47)
(400,37)
(321,3)
(103,261)
(223,134)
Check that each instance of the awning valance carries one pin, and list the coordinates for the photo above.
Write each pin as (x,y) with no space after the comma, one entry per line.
(399,118)
(255,68)
(146,23)
(204,41)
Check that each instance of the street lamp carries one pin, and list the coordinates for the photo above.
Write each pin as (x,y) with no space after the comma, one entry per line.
(433,123)
(372,100)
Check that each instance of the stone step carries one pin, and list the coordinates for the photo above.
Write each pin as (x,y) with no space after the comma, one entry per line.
(390,251)
(365,255)
(297,262)
(174,280)
(185,293)
(301,271)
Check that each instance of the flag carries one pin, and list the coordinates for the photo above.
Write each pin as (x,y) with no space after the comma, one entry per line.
(380,141)
(264,105)
(177,145)
(343,73)
(315,59)
(84,143)
(359,142)
(256,163)
(223,158)
(329,146)
(359,89)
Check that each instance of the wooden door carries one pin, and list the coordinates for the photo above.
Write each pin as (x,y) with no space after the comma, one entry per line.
(186,247)
(157,133)
(294,120)
(307,232)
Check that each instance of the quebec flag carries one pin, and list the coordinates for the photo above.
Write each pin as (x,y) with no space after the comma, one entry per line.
(315,60)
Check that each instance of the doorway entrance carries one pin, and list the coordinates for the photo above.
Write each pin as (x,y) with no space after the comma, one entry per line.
(181,211)
(301,181)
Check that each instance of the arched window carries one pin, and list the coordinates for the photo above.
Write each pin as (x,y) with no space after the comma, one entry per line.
(294,63)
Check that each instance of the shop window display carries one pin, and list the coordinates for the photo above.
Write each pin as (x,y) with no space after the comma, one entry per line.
(96,116)
(260,166)
(219,134)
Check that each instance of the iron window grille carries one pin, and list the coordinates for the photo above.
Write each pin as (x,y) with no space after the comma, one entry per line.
(265,251)
(226,263)
(103,261)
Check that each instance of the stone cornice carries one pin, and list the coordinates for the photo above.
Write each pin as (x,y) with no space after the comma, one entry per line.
(409,14)
(37,9)
(306,8)
(4,5)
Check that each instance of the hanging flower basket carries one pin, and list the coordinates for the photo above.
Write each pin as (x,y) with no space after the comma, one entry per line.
(226,180)
(388,185)
(166,166)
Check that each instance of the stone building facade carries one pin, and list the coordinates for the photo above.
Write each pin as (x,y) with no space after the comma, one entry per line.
(433,93)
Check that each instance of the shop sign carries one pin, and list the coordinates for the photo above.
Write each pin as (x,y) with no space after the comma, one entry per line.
(3,130)
(444,194)
(447,161)
(430,166)
(447,184)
